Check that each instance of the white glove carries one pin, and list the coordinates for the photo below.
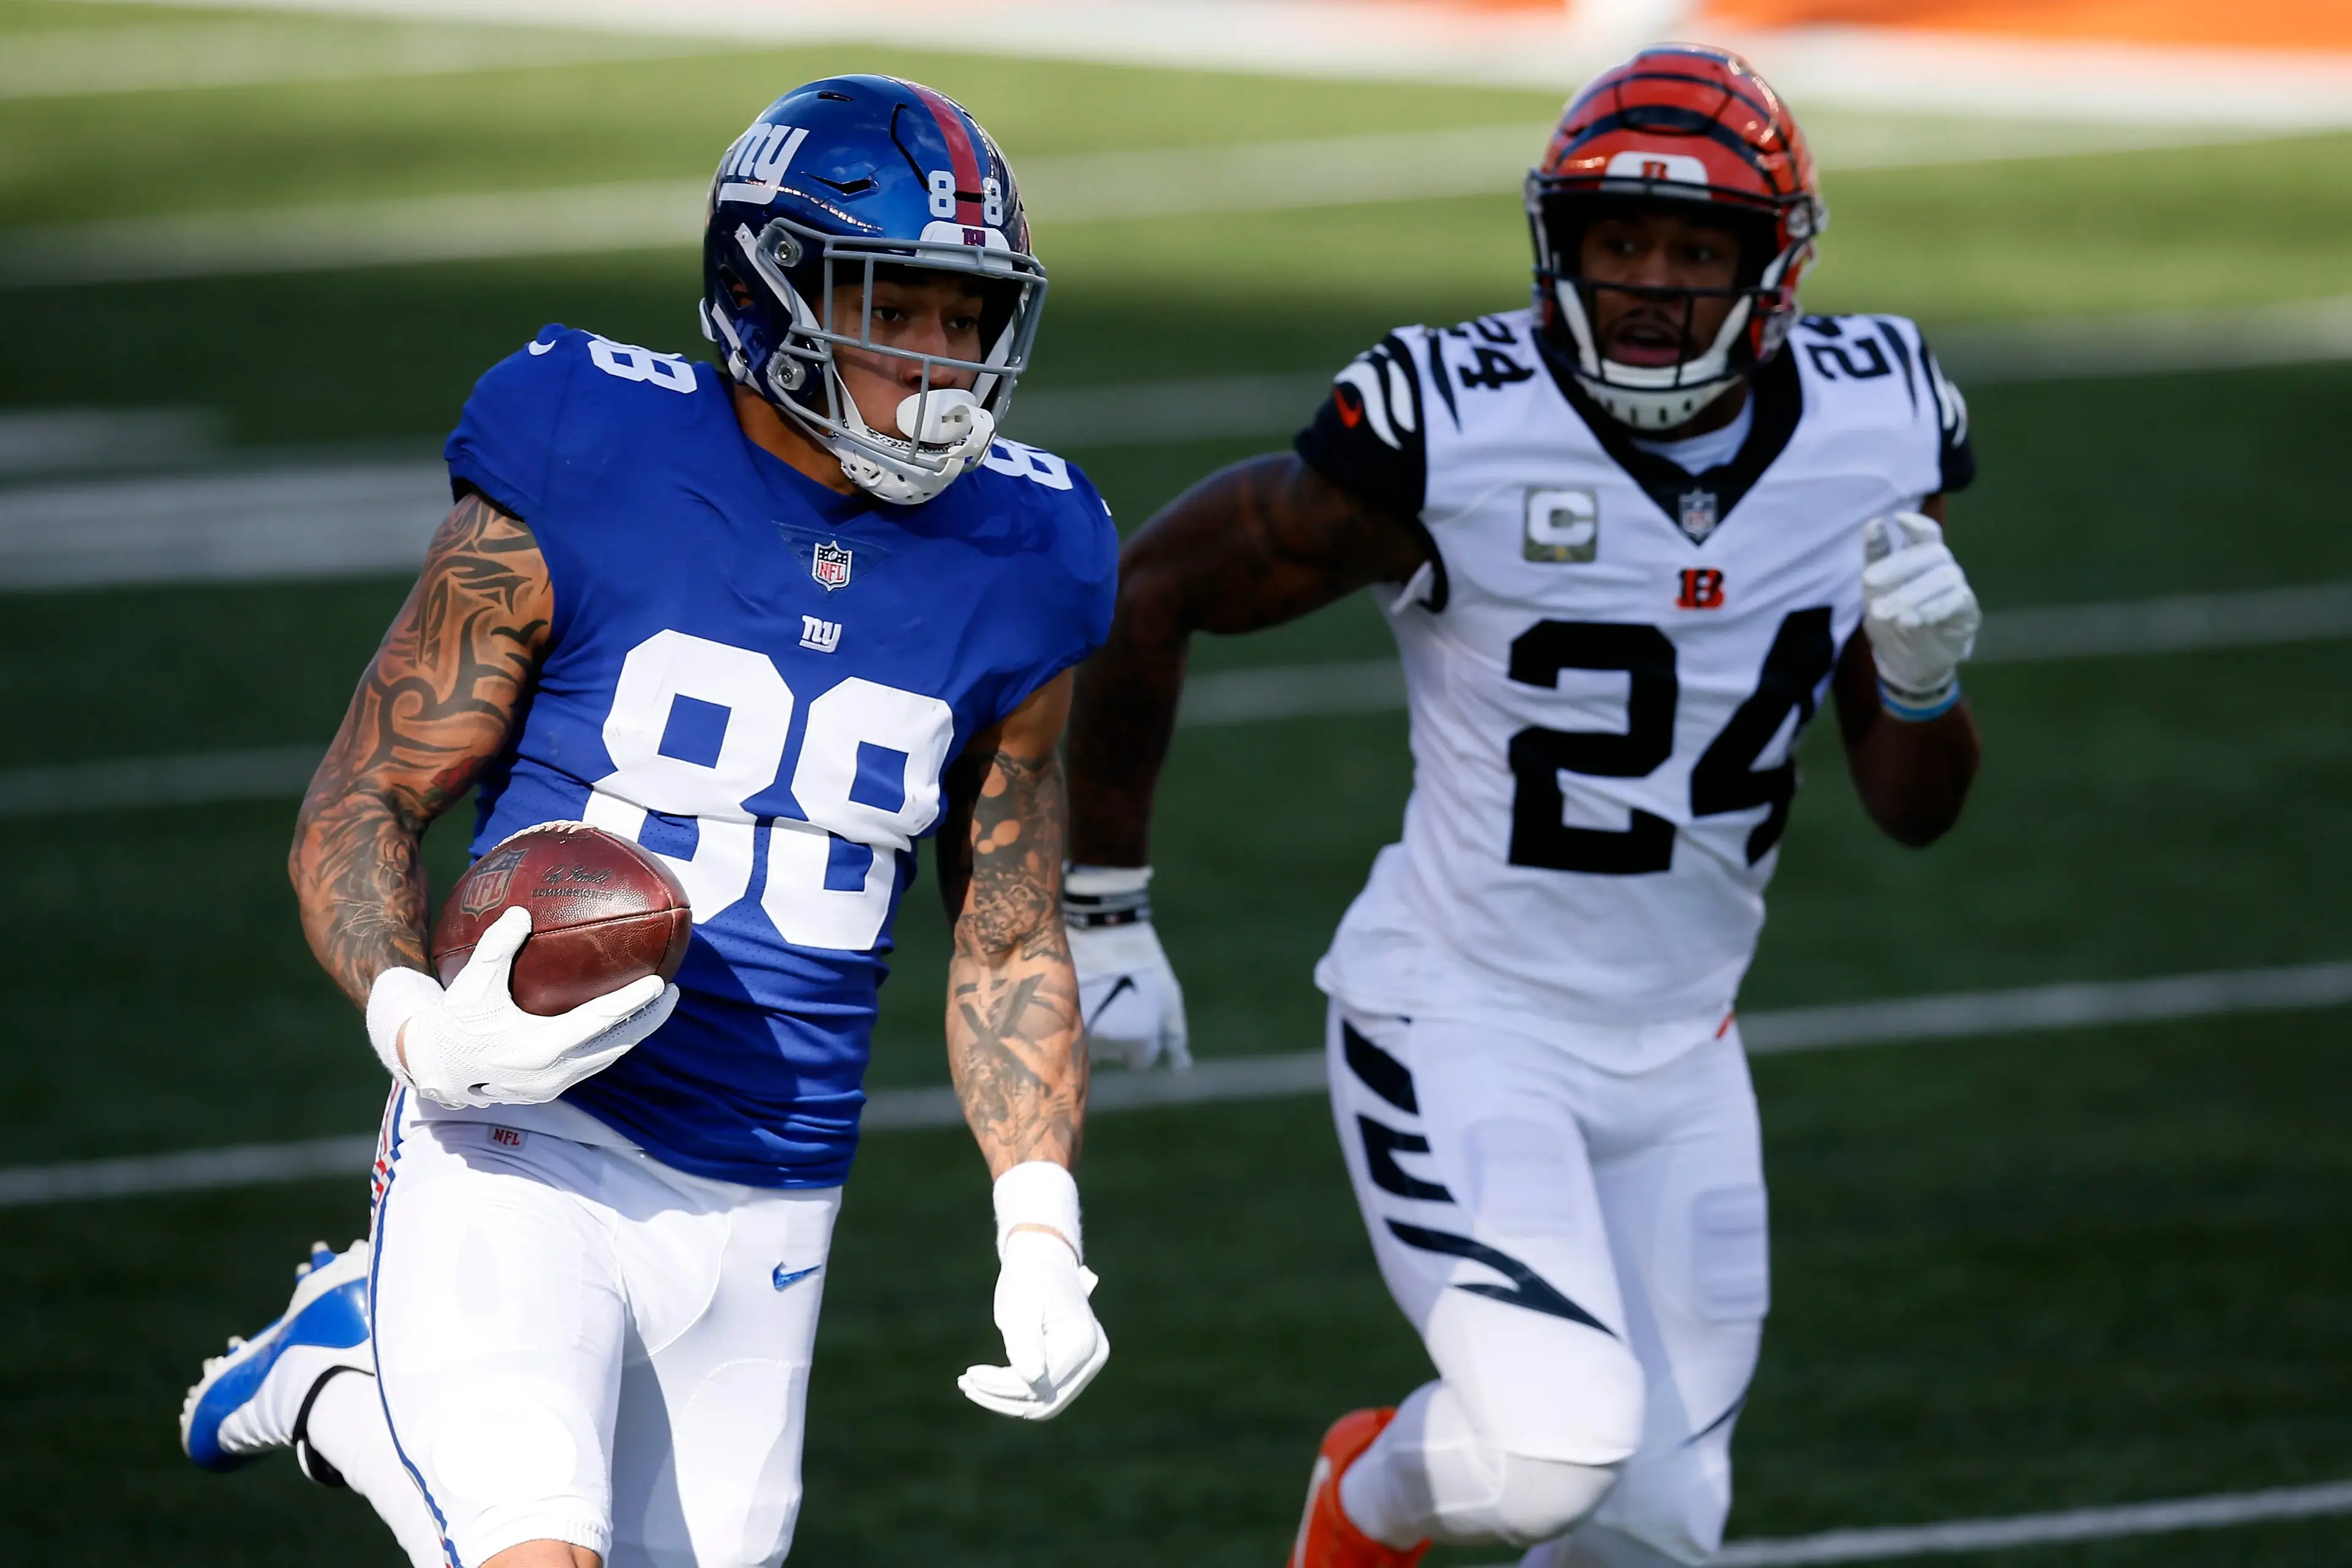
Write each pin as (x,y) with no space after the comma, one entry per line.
(1920,612)
(471,1046)
(1127,992)
(1050,1337)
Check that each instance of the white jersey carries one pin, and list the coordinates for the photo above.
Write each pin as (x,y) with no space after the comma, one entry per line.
(1608,666)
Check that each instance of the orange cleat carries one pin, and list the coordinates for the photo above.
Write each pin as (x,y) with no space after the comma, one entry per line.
(1327,1537)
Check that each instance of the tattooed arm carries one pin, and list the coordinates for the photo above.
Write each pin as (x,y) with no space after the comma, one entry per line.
(1253,545)
(435,707)
(1013,1041)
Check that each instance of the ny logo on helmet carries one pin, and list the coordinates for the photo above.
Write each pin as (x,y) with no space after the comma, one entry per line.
(830,566)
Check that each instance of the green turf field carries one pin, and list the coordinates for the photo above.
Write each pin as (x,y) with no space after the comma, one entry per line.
(2036,1273)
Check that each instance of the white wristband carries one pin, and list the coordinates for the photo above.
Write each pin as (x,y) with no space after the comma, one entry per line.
(1096,880)
(1038,1193)
(397,996)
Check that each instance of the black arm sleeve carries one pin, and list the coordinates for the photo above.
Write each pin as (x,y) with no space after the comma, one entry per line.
(1368,435)
(1958,456)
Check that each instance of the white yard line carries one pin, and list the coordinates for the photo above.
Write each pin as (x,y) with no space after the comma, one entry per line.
(1169,413)
(381,232)
(2149,343)
(358,519)
(138,784)
(193,1170)
(2177,624)
(2181,624)
(2187,623)
(38,442)
(2214,1512)
(1965,1535)
(2076,1005)
(85,63)
(304,524)
(1954,1016)
(1264,176)
(1961,1535)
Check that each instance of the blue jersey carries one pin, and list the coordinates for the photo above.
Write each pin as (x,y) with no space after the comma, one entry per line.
(763,681)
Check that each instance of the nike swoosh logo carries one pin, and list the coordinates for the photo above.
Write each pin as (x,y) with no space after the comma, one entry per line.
(1126,984)
(784,1279)
(538,349)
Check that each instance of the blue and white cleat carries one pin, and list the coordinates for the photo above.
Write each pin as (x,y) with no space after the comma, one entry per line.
(256,1396)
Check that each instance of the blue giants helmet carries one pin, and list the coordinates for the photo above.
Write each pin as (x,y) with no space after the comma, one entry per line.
(839,182)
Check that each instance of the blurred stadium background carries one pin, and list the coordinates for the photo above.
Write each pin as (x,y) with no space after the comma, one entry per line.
(251,260)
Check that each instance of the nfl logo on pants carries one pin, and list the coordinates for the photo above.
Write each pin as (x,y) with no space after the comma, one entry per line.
(830,566)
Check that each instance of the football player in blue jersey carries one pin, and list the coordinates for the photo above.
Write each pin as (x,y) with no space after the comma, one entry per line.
(776,624)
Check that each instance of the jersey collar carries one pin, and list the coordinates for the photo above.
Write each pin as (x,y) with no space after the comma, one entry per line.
(1779,401)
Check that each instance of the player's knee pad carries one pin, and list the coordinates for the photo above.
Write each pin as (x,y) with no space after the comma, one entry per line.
(1667,1510)
(1539,1498)
(1538,1385)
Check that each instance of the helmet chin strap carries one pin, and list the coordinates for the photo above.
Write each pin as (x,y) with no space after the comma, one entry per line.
(1654,410)
(1651,397)
(1659,398)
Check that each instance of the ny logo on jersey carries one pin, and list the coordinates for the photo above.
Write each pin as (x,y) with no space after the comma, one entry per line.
(1562,525)
(1696,517)
(830,566)
(1702,589)
(823,635)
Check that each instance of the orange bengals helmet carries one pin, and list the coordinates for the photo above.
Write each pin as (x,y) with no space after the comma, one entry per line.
(1687,124)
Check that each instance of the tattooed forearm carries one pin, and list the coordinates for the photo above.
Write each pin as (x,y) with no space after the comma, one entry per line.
(1256,545)
(434,708)
(1014,1045)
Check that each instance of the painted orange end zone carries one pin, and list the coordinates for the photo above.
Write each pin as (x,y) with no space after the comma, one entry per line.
(2319,25)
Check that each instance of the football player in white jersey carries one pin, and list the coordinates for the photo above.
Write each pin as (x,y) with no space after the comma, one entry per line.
(1626,541)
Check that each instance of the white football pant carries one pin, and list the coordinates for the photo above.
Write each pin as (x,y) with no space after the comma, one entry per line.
(1584,1256)
(579,1343)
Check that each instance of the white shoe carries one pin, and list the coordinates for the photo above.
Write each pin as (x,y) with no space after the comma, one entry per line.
(256,1396)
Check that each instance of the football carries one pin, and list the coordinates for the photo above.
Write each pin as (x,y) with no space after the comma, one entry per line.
(603,912)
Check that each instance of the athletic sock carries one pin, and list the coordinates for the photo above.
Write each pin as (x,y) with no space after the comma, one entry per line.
(346,1429)
(1429,1476)
(1386,1493)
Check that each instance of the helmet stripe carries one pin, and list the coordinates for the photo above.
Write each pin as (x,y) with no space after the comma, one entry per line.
(1770,113)
(1714,130)
(962,157)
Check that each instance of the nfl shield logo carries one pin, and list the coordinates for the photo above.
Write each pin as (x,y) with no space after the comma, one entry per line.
(830,566)
(487,884)
(1697,519)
